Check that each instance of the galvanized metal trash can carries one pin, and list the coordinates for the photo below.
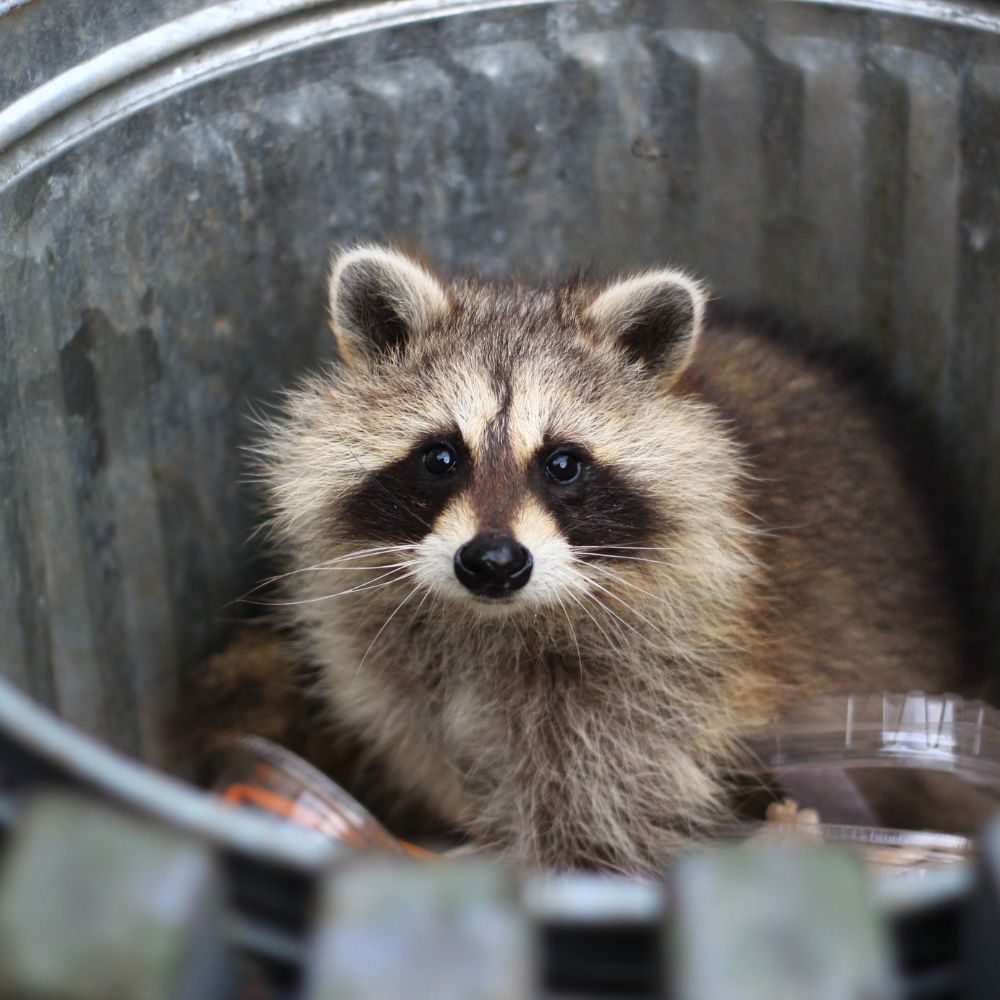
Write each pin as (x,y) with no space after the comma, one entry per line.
(173,174)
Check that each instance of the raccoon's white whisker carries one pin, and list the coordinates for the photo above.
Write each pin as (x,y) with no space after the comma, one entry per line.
(583,607)
(618,621)
(369,585)
(633,548)
(267,581)
(618,671)
(421,602)
(520,633)
(621,600)
(325,597)
(332,563)
(385,625)
(584,591)
(618,578)
(382,550)
(346,563)
(572,632)
(615,622)
(377,549)
(773,529)
(639,559)
(356,569)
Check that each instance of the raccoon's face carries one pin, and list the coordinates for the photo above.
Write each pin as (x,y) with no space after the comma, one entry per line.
(499,439)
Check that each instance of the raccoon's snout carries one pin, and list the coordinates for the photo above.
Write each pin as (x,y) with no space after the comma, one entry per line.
(492,565)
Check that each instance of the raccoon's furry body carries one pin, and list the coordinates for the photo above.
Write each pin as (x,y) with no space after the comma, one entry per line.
(739,532)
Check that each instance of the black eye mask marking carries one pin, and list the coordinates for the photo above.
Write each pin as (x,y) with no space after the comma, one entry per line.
(400,502)
(596,505)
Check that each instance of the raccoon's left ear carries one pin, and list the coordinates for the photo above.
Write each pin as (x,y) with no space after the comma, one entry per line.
(379,298)
(655,317)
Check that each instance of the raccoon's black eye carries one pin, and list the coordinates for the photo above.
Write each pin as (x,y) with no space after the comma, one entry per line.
(440,460)
(563,466)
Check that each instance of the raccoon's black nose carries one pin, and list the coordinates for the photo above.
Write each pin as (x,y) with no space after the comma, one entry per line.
(492,564)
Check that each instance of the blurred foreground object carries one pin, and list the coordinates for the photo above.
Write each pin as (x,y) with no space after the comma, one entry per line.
(98,905)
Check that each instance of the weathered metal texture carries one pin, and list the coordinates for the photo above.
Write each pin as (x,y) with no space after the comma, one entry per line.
(167,207)
(95,905)
(775,921)
(385,930)
(53,37)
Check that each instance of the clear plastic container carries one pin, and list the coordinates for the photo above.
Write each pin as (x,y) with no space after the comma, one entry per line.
(260,775)
(933,732)
(833,751)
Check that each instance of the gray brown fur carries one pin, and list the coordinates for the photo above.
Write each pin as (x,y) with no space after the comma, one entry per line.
(594,720)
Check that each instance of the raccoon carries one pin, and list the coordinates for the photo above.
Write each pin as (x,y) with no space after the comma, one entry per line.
(550,550)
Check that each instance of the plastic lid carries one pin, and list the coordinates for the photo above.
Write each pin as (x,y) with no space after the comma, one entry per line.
(935,732)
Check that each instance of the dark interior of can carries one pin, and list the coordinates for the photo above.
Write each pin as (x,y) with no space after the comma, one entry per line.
(164,238)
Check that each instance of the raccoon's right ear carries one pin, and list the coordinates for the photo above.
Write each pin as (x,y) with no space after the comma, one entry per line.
(655,318)
(378,300)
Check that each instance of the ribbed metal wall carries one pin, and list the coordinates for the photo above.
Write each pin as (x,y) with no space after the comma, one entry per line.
(164,231)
